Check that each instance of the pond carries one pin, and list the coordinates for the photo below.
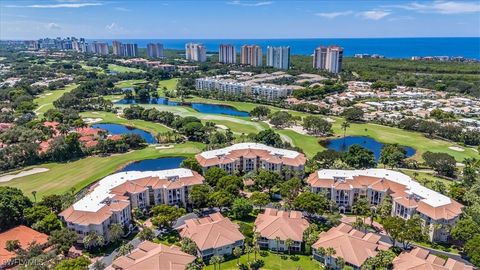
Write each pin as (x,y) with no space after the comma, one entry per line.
(199,107)
(342,144)
(164,163)
(116,129)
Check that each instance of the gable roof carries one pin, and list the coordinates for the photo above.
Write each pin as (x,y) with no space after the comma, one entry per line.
(213,231)
(352,245)
(24,235)
(149,255)
(282,224)
(420,259)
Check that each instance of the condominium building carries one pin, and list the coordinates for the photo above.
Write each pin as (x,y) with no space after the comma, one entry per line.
(148,255)
(247,157)
(409,198)
(213,234)
(227,54)
(79,45)
(328,58)
(129,50)
(117,48)
(276,227)
(419,258)
(251,55)
(154,50)
(111,200)
(195,52)
(270,92)
(278,57)
(100,48)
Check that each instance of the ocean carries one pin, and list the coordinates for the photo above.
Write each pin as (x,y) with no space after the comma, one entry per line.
(468,47)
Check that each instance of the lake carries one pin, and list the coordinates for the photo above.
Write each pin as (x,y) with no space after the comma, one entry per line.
(116,129)
(199,107)
(164,163)
(342,145)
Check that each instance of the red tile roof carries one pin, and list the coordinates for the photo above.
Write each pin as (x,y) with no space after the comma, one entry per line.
(24,235)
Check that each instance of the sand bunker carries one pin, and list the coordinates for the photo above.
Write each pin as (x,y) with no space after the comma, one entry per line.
(221,127)
(164,147)
(9,177)
(456,148)
(89,120)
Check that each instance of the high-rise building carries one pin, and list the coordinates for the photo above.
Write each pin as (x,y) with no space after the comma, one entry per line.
(227,54)
(155,50)
(328,58)
(99,48)
(117,48)
(130,50)
(278,57)
(195,52)
(251,55)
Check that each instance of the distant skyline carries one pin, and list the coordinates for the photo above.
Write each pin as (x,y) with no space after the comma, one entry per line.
(234,19)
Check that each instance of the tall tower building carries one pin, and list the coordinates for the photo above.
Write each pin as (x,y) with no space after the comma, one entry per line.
(328,58)
(195,52)
(117,48)
(251,55)
(99,48)
(227,54)
(130,50)
(155,50)
(278,57)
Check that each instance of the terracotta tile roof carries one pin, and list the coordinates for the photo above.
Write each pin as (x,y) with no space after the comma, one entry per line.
(213,231)
(25,235)
(87,217)
(352,245)
(286,225)
(114,137)
(149,255)
(87,131)
(420,259)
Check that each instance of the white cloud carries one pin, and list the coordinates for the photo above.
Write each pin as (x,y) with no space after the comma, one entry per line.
(249,3)
(375,14)
(332,15)
(122,9)
(111,26)
(53,26)
(443,7)
(66,5)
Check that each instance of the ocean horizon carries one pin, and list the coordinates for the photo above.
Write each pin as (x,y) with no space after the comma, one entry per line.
(468,47)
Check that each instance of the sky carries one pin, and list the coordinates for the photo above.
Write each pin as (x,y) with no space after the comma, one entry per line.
(238,19)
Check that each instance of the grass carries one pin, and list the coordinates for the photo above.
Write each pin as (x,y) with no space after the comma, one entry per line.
(81,173)
(111,118)
(45,100)
(90,68)
(425,178)
(273,262)
(122,69)
(129,83)
(170,84)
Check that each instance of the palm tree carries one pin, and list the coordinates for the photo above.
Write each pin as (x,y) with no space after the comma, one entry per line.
(237,252)
(217,259)
(329,252)
(93,239)
(256,236)
(248,250)
(34,193)
(340,262)
(115,232)
(322,252)
(277,241)
(288,244)
(345,125)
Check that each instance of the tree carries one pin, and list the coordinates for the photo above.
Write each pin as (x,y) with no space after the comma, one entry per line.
(259,199)
(124,249)
(230,183)
(192,164)
(93,240)
(385,207)
(266,180)
(189,246)
(393,227)
(48,224)
(464,229)
(353,114)
(260,112)
(311,202)
(216,259)
(248,250)
(12,205)
(213,175)
(443,163)
(383,260)
(288,244)
(55,202)
(317,125)
(361,207)
(81,262)
(35,214)
(290,189)
(281,119)
(237,252)
(98,265)
(164,216)
(146,234)
(12,245)
(359,157)
(327,158)
(221,199)
(392,155)
(115,232)
(472,248)
(241,208)
(340,262)
(62,240)
(198,196)
(404,231)
(269,137)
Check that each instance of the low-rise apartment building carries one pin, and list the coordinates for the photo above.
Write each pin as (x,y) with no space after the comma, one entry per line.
(247,157)
(409,198)
(213,234)
(111,200)
(276,227)
(354,246)
(419,258)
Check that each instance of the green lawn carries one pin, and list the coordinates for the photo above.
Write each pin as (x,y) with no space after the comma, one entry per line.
(79,174)
(107,117)
(170,84)
(46,99)
(424,177)
(129,83)
(274,262)
(122,69)
(90,68)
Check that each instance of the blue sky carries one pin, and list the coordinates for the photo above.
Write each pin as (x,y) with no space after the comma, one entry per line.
(238,19)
